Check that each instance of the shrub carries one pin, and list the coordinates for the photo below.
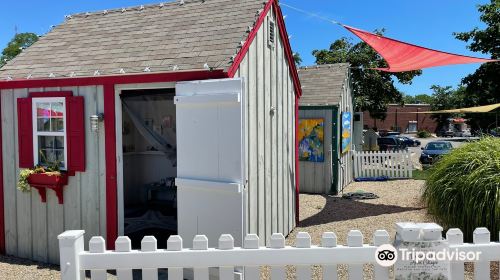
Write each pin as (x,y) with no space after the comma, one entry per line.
(423,134)
(463,188)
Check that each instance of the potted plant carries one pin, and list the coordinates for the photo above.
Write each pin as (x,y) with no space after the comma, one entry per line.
(42,178)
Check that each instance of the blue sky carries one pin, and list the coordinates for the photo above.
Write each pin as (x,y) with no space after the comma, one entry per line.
(429,23)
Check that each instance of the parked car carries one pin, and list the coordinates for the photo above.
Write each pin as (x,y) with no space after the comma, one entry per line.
(410,142)
(393,133)
(434,150)
(464,133)
(390,143)
(446,133)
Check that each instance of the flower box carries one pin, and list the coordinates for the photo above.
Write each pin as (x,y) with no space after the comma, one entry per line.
(49,180)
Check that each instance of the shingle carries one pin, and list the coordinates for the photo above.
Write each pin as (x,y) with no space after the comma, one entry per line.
(322,84)
(184,35)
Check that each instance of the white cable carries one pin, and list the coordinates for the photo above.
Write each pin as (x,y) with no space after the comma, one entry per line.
(310,14)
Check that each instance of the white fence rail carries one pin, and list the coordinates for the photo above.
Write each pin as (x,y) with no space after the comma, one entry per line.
(393,164)
(75,261)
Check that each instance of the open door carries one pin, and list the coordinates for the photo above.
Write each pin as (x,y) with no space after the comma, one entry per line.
(210,159)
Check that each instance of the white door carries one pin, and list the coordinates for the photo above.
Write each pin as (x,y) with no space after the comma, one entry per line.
(210,159)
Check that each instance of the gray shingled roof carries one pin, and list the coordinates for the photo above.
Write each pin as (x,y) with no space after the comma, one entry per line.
(322,84)
(155,36)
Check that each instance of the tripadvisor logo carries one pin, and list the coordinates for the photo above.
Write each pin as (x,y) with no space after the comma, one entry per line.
(386,255)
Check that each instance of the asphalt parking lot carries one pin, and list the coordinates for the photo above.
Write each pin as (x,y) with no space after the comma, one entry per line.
(455,141)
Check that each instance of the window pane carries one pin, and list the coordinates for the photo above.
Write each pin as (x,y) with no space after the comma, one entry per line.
(51,150)
(57,109)
(57,124)
(43,110)
(43,124)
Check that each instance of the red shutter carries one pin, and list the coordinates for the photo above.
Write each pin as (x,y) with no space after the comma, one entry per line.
(25,132)
(75,126)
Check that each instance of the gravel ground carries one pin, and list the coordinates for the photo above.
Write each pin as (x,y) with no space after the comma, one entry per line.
(398,201)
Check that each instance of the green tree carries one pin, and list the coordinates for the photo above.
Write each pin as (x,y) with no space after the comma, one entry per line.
(418,99)
(297,58)
(372,89)
(482,87)
(445,98)
(16,45)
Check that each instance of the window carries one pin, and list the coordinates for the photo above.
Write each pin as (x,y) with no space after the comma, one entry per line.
(412,126)
(49,131)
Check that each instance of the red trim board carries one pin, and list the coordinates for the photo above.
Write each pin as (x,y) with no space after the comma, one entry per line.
(297,171)
(110,148)
(121,79)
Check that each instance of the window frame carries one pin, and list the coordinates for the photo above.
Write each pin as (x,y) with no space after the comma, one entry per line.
(36,133)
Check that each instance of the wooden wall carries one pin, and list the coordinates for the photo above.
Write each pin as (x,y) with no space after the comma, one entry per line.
(31,227)
(345,170)
(270,148)
(317,177)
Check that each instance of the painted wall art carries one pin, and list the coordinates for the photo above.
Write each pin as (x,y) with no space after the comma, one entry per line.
(346,131)
(311,135)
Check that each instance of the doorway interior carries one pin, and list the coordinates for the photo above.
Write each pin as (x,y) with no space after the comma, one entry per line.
(149,165)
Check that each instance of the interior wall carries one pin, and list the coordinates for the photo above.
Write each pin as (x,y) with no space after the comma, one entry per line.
(31,227)
(141,164)
(270,130)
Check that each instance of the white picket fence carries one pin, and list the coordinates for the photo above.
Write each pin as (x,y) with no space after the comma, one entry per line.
(393,164)
(75,261)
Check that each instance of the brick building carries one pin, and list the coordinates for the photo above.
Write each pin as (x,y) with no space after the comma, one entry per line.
(403,118)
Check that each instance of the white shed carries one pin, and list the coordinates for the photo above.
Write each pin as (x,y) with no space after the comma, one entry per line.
(164,119)
(325,128)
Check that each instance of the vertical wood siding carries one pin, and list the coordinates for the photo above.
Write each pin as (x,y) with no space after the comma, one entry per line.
(317,177)
(345,170)
(31,226)
(270,144)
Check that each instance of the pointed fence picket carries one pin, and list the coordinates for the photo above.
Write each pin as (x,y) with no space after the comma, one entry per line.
(393,164)
(75,261)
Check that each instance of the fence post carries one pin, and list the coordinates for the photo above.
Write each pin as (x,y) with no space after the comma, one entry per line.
(70,246)
(481,268)
(226,242)
(381,237)
(303,240)
(355,239)
(454,236)
(174,243)
(277,242)
(329,240)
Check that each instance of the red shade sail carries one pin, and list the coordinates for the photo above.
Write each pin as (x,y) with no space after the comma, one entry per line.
(407,57)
